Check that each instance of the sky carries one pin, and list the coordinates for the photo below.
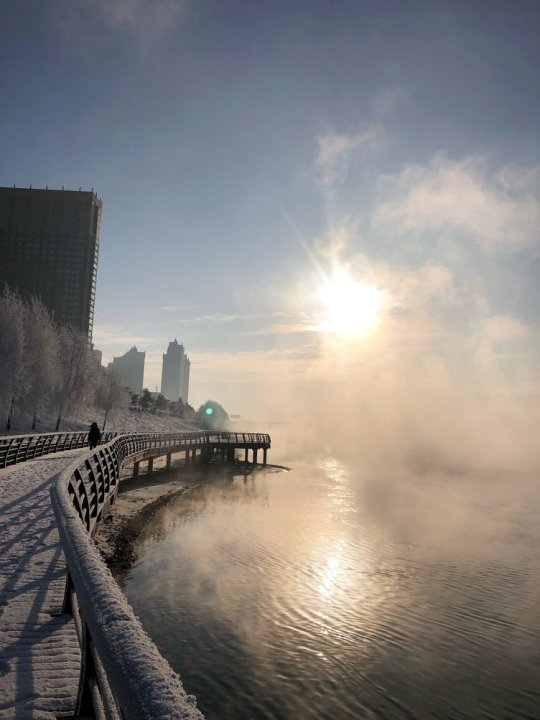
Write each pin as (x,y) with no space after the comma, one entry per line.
(330,204)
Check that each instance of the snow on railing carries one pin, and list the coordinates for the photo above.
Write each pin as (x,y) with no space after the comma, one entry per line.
(20,448)
(122,673)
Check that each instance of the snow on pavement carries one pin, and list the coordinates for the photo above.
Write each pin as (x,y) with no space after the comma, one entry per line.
(39,651)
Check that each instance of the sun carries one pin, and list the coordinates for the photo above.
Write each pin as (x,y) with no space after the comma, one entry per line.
(349,307)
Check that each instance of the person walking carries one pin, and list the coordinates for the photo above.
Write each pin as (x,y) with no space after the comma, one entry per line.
(94,436)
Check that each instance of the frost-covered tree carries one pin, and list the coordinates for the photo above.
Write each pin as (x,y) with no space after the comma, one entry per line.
(13,366)
(111,393)
(146,401)
(73,361)
(161,402)
(42,358)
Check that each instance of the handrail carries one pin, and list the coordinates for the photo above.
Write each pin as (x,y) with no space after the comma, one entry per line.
(122,673)
(20,448)
(15,449)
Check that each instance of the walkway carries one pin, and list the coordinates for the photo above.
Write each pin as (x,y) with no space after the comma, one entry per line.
(39,651)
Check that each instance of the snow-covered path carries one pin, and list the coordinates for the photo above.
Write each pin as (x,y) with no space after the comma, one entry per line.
(39,651)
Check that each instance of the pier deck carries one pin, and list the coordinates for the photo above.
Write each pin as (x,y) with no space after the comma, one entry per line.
(39,651)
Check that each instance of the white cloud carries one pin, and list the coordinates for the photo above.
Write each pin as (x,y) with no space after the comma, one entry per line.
(146,17)
(335,151)
(426,284)
(113,336)
(500,211)
(145,20)
(221,318)
(516,179)
(388,100)
(505,327)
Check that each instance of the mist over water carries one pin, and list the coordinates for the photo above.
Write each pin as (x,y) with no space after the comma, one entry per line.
(343,589)
(392,573)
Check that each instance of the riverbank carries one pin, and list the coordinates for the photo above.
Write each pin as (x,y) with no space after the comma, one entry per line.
(137,502)
(140,498)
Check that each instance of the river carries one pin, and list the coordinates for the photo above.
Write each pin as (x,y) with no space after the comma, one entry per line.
(330,592)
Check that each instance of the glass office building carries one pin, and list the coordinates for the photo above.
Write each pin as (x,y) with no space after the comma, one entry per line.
(49,244)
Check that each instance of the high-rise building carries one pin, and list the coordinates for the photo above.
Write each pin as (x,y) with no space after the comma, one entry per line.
(130,367)
(175,373)
(49,243)
(185,379)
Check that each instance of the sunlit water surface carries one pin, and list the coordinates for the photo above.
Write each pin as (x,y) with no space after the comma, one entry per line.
(323,593)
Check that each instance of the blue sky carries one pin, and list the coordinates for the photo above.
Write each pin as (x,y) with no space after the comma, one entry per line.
(246,151)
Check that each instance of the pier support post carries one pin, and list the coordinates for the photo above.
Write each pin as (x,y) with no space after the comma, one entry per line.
(264,456)
(255,456)
(168,463)
(150,465)
(136,469)
(246,455)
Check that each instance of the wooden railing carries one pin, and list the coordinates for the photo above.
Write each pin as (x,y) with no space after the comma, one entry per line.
(238,439)
(20,448)
(122,673)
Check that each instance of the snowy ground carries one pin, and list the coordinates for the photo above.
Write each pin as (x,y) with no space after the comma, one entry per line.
(39,651)
(130,421)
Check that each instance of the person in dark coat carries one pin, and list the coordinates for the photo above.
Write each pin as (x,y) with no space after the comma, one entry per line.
(94,435)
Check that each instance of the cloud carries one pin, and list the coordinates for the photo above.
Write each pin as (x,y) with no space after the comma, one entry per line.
(247,381)
(505,327)
(112,335)
(292,328)
(220,318)
(114,340)
(141,17)
(387,101)
(500,211)
(144,20)
(335,151)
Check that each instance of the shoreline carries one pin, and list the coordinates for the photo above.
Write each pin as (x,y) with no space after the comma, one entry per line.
(139,499)
(137,502)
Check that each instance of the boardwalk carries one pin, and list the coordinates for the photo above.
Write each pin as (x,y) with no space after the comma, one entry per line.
(40,658)
(39,652)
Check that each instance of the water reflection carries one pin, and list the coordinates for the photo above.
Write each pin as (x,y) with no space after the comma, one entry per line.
(291,595)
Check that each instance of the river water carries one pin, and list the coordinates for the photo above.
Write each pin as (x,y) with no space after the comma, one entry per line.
(329,592)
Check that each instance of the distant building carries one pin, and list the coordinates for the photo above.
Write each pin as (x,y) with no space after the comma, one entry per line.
(175,373)
(130,367)
(49,243)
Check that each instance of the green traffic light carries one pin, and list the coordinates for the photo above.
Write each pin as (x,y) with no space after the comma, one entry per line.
(209,410)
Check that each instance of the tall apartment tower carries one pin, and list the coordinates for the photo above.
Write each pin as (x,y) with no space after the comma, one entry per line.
(49,243)
(130,367)
(185,379)
(175,373)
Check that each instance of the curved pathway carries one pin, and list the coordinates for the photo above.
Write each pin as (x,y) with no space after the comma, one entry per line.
(39,651)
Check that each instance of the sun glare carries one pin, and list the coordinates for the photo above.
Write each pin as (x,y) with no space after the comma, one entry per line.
(348,307)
